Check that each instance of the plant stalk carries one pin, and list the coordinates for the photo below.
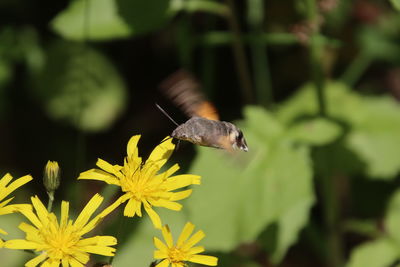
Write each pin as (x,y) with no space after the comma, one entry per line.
(327,181)
(240,55)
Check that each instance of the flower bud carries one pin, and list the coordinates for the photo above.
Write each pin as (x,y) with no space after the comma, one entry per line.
(51,176)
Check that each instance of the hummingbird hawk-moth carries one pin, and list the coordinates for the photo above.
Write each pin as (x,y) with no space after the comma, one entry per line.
(204,127)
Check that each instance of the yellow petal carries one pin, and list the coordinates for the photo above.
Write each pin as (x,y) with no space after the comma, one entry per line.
(3,232)
(96,220)
(80,256)
(166,232)
(161,153)
(32,217)
(88,210)
(158,255)
(204,259)
(196,250)
(167,204)
(193,240)
(27,228)
(5,180)
(180,181)
(14,185)
(40,209)
(74,263)
(14,208)
(36,261)
(98,240)
(164,263)
(131,149)
(20,244)
(153,216)
(114,169)
(170,171)
(131,208)
(99,175)
(159,244)
(186,232)
(180,195)
(100,250)
(64,213)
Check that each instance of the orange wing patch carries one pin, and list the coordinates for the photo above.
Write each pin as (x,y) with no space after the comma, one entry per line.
(207,110)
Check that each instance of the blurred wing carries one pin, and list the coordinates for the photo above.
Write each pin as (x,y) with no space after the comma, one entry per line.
(184,90)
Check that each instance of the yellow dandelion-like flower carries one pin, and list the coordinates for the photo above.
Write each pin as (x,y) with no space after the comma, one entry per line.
(142,184)
(62,242)
(6,189)
(183,251)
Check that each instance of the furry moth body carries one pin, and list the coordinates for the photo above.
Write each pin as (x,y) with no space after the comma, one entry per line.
(203,128)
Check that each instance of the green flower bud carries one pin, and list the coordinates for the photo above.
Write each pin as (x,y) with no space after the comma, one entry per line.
(51,176)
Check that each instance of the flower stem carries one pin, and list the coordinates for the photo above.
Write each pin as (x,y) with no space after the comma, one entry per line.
(51,200)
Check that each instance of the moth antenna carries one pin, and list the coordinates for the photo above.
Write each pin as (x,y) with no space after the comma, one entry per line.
(166,114)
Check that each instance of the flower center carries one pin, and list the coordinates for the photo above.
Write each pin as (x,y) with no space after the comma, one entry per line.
(59,242)
(141,183)
(176,255)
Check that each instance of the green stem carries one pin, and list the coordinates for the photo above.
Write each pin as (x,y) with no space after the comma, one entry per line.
(206,6)
(327,182)
(51,200)
(185,42)
(215,38)
(240,55)
(258,49)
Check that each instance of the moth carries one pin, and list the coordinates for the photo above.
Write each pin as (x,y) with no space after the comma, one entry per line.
(204,127)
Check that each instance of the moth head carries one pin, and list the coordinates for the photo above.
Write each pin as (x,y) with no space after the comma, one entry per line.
(237,139)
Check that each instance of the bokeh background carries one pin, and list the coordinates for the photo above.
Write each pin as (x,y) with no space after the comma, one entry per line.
(313,84)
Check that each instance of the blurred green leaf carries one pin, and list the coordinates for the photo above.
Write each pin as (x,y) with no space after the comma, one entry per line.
(92,20)
(315,131)
(109,19)
(395,4)
(373,122)
(377,44)
(392,219)
(378,253)
(11,257)
(78,85)
(245,192)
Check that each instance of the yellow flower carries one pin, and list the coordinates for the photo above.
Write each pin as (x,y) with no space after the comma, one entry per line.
(142,184)
(6,189)
(61,242)
(184,250)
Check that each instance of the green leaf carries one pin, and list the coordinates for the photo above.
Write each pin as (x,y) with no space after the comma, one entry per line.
(392,219)
(245,192)
(12,257)
(91,20)
(373,122)
(315,131)
(378,253)
(81,87)
(110,19)
(395,4)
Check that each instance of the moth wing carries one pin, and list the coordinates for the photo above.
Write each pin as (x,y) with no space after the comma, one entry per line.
(184,90)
